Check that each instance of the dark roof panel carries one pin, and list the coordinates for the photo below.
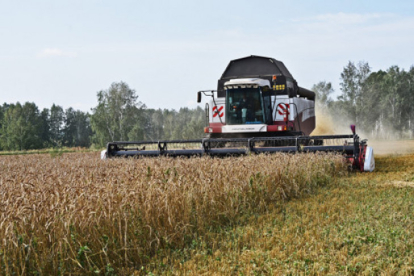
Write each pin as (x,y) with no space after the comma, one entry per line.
(254,66)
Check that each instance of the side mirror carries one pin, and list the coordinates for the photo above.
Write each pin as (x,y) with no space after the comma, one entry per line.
(199,96)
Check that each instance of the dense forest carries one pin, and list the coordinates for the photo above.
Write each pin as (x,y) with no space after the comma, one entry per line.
(380,103)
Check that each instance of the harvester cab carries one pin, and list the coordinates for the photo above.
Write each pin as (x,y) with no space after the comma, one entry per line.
(258,107)
(258,97)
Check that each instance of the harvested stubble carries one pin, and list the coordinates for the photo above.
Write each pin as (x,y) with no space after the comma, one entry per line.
(76,213)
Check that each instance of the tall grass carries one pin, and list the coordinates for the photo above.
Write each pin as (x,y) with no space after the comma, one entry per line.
(75,213)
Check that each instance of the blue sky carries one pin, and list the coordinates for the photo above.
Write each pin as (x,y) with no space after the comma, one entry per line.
(63,52)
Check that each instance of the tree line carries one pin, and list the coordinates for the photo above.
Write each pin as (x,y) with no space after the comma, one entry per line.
(119,116)
(380,103)
(24,127)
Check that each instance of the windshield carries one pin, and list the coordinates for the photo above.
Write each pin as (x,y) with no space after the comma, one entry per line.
(244,106)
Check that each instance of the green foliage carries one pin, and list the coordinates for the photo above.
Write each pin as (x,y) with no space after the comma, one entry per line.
(44,130)
(323,91)
(77,131)
(380,103)
(184,124)
(2,109)
(119,117)
(56,125)
(117,114)
(55,153)
(20,127)
(353,87)
(23,127)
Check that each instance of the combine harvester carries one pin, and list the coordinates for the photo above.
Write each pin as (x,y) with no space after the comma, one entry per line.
(258,107)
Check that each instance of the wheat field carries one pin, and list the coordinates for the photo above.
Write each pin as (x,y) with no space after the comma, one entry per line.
(75,213)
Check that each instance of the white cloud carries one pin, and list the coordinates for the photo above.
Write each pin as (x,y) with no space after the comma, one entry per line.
(54,52)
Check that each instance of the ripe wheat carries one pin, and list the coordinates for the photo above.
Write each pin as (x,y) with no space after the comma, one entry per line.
(75,213)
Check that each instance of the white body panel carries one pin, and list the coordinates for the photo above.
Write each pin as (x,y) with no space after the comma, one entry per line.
(244,128)
(299,105)
(369,163)
(217,114)
(281,99)
(304,106)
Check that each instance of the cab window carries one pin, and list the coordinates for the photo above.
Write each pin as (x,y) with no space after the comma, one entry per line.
(244,106)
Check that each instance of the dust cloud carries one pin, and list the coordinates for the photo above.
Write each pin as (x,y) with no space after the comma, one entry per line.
(387,147)
(328,124)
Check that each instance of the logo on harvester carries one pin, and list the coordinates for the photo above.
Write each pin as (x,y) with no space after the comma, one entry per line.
(283,109)
(218,111)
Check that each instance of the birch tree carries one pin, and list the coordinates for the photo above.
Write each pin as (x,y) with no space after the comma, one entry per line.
(116,114)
